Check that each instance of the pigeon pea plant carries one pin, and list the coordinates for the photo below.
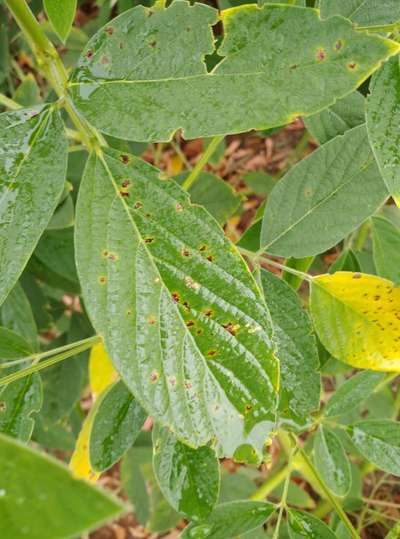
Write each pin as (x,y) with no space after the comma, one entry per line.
(184,326)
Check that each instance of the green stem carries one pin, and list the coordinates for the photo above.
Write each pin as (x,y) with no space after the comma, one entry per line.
(258,256)
(74,349)
(52,66)
(271,483)
(8,103)
(202,162)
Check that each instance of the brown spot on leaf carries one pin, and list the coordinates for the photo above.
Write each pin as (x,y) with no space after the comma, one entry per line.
(124,158)
(321,54)
(175,296)
(109,30)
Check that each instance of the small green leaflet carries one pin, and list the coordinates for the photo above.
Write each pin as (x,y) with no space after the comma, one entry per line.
(303,525)
(40,499)
(230,520)
(364,13)
(386,248)
(182,318)
(189,478)
(331,461)
(335,120)
(61,14)
(21,398)
(383,121)
(32,173)
(116,425)
(297,350)
(379,442)
(352,393)
(290,58)
(323,198)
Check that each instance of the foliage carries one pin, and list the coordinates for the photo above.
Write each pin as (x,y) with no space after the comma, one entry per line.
(131,300)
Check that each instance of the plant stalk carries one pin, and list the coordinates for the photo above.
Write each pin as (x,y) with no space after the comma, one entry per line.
(80,346)
(202,162)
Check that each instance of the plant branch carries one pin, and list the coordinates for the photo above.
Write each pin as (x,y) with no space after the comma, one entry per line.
(202,162)
(9,103)
(73,349)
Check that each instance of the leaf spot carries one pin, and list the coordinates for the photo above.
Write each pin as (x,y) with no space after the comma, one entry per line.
(151,320)
(124,158)
(321,54)
(154,376)
(3,406)
(109,30)
(190,283)
(176,297)
(352,66)
(102,279)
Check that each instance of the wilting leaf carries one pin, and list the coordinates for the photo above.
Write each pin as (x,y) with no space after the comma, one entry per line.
(357,318)
(290,58)
(182,318)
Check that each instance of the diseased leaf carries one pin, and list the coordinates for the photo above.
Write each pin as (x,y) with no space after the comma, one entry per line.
(290,58)
(357,318)
(379,442)
(383,122)
(61,14)
(352,393)
(101,370)
(181,316)
(188,478)
(79,463)
(32,173)
(216,195)
(304,525)
(230,520)
(323,198)
(331,461)
(116,425)
(386,248)
(365,13)
(297,350)
(335,120)
(41,500)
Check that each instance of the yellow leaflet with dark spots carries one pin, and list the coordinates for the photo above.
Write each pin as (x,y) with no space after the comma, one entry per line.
(357,318)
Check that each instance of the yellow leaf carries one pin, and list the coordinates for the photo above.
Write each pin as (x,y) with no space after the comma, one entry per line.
(357,318)
(101,370)
(176,165)
(80,462)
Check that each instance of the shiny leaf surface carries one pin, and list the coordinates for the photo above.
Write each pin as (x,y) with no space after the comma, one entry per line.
(164,85)
(379,442)
(32,172)
(230,520)
(323,198)
(182,318)
(357,318)
(116,425)
(40,499)
(189,478)
(303,525)
(331,461)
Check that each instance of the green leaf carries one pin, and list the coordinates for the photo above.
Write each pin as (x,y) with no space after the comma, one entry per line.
(32,174)
(296,495)
(331,461)
(260,182)
(61,14)
(352,393)
(347,261)
(56,251)
(19,399)
(307,526)
(40,499)
(323,198)
(386,248)
(297,350)
(189,478)
(116,425)
(183,320)
(290,58)
(64,215)
(378,440)
(383,117)
(230,520)
(16,314)
(365,13)
(28,92)
(140,483)
(216,195)
(335,120)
